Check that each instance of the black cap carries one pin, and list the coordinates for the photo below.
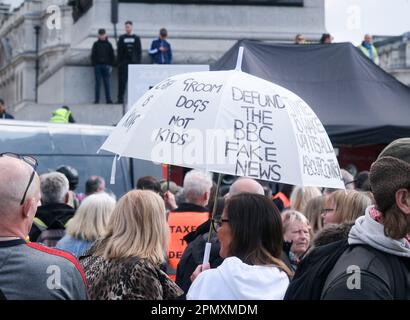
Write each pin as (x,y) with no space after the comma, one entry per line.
(163,32)
(71,174)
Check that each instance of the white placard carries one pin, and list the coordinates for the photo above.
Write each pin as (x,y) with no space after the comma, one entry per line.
(142,77)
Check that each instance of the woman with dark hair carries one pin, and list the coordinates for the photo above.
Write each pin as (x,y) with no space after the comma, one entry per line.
(326,38)
(250,235)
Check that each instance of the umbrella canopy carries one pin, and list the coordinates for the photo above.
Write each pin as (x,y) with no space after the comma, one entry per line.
(229,122)
(357,101)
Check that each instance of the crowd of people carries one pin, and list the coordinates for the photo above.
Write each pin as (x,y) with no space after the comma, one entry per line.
(300,243)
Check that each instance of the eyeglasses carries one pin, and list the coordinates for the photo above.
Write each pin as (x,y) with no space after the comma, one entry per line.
(27,159)
(217,223)
(326,210)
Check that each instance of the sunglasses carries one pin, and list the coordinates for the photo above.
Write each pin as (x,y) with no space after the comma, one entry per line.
(27,159)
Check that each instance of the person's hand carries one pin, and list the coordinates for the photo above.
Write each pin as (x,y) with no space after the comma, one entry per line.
(169,200)
(198,270)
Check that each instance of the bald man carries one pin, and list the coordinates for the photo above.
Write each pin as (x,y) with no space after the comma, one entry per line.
(242,185)
(51,274)
(368,49)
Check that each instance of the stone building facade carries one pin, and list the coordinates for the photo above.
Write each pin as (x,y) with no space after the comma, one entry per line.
(394,53)
(199,33)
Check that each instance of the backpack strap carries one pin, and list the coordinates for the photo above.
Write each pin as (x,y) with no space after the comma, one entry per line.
(40,224)
(66,224)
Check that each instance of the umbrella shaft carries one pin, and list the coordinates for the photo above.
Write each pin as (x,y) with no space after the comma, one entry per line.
(215,204)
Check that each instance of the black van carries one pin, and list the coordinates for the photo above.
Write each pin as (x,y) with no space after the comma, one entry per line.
(55,144)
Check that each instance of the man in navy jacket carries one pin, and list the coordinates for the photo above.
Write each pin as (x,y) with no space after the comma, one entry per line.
(161,52)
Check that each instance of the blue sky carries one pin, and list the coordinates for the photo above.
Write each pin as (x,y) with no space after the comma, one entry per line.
(349,20)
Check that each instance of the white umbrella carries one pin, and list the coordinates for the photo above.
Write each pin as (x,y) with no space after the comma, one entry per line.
(229,122)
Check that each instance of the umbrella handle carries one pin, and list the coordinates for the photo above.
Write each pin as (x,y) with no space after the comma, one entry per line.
(215,205)
(208,245)
(168,175)
(207,253)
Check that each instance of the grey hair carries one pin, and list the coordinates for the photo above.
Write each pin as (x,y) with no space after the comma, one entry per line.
(290,216)
(54,187)
(196,183)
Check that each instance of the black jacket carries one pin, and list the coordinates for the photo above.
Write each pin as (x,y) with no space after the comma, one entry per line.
(382,276)
(54,216)
(102,53)
(129,49)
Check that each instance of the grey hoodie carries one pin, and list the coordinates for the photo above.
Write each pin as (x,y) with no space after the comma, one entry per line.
(370,232)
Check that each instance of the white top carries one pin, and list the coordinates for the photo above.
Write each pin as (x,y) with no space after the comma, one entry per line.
(235,280)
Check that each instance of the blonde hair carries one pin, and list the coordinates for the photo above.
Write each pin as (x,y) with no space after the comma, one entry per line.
(313,212)
(137,228)
(290,216)
(301,195)
(349,204)
(90,220)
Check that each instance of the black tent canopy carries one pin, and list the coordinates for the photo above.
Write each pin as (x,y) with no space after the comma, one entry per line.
(357,101)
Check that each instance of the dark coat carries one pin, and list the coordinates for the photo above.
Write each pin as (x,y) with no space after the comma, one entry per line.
(382,276)
(129,49)
(102,53)
(55,216)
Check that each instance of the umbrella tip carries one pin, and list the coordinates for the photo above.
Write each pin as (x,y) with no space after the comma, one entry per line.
(239,59)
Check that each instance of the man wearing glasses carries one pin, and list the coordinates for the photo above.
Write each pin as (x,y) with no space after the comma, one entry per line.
(29,270)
